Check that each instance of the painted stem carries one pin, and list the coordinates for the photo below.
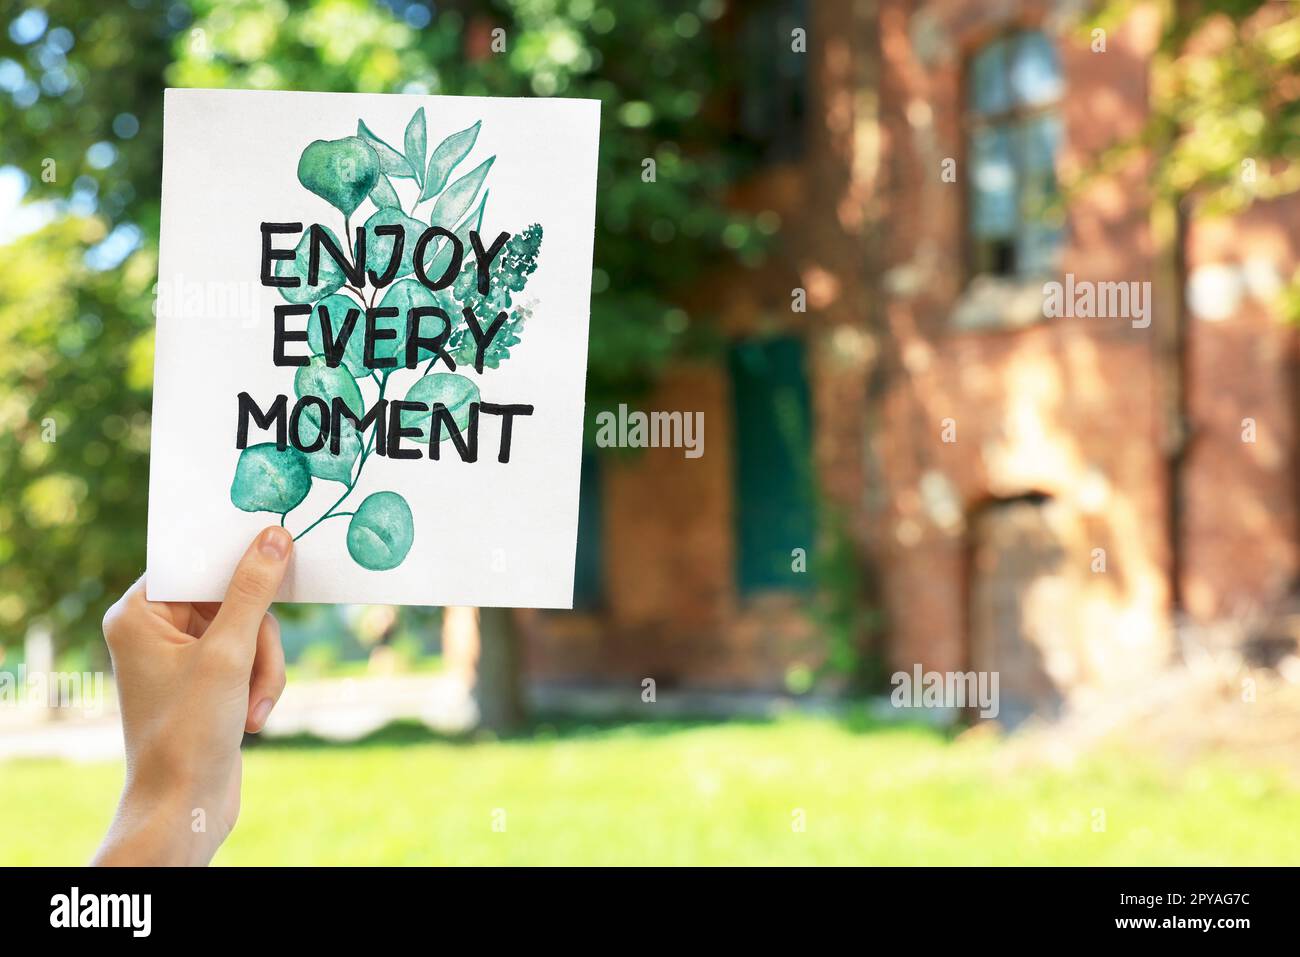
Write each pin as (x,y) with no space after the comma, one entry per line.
(329,512)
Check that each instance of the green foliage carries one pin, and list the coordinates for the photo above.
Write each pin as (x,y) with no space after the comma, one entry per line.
(509,273)
(318,379)
(379,248)
(381,532)
(1224,107)
(850,625)
(442,260)
(445,158)
(76,359)
(336,307)
(415,139)
(268,479)
(454,391)
(76,342)
(393,163)
(457,198)
(325,463)
(343,172)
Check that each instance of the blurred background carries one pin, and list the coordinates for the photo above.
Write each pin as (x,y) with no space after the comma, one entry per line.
(826,227)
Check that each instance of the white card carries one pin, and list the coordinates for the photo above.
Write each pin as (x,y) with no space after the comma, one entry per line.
(465,528)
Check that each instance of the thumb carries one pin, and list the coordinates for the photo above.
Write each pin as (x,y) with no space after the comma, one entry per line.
(253,586)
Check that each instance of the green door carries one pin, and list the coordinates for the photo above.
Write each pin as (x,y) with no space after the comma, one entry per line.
(773,462)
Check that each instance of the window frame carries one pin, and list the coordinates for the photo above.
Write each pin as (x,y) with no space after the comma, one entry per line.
(1016,115)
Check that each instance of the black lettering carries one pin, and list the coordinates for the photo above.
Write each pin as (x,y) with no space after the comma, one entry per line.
(399,244)
(374,334)
(339,409)
(355,274)
(397,431)
(482,339)
(448,277)
(467,450)
(275,415)
(322,423)
(283,335)
(335,349)
(507,413)
(485,258)
(415,341)
(269,255)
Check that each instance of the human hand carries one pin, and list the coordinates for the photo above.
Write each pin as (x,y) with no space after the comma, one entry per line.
(191,679)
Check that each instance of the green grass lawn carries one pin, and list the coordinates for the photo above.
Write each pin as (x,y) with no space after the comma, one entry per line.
(690,793)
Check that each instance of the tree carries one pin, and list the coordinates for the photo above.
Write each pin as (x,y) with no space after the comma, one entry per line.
(81,86)
(1222,134)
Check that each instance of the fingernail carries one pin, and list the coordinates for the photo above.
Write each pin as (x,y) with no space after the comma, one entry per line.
(262,712)
(276,543)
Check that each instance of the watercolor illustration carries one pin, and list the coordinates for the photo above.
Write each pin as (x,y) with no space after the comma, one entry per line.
(349,173)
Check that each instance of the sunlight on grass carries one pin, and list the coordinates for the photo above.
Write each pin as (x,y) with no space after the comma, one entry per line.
(690,793)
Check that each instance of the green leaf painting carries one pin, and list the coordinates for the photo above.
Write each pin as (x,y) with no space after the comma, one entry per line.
(342,172)
(317,378)
(381,532)
(390,161)
(458,198)
(337,307)
(445,159)
(383,194)
(379,248)
(268,479)
(363,175)
(414,141)
(325,464)
(405,295)
(471,222)
(454,391)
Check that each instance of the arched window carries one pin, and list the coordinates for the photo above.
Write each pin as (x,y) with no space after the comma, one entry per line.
(1014,127)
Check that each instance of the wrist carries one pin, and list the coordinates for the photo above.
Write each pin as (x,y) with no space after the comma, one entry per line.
(157,828)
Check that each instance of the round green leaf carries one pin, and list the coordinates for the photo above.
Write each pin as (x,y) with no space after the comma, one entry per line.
(405,295)
(394,348)
(329,277)
(342,172)
(381,531)
(379,249)
(325,464)
(354,351)
(454,391)
(320,380)
(270,480)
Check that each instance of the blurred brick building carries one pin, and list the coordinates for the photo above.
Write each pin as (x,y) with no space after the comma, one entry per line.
(1015,491)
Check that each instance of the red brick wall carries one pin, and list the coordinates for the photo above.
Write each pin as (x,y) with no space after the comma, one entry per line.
(1071,408)
(1240,523)
(1067,408)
